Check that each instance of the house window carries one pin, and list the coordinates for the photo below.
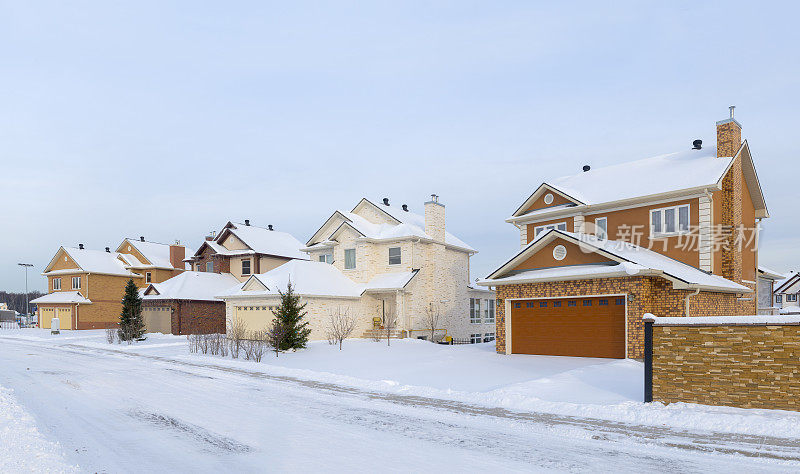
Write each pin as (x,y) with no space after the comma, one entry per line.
(349,259)
(601,228)
(326,258)
(489,337)
(475,310)
(669,220)
(603,302)
(246,267)
(543,304)
(529,304)
(490,317)
(587,302)
(476,338)
(791,298)
(619,301)
(543,228)
(76,283)
(486,310)
(210,267)
(394,256)
(148,277)
(57,284)
(556,304)
(778,298)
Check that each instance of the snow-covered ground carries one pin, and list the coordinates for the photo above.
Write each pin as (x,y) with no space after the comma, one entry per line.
(413,405)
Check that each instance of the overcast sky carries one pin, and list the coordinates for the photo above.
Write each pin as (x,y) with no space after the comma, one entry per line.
(167,119)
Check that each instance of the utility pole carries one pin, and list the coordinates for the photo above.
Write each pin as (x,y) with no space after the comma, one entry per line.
(26,266)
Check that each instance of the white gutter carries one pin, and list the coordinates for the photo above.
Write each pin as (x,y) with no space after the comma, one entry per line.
(696,292)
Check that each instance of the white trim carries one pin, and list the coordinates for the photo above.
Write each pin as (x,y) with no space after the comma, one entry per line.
(543,228)
(663,223)
(507,314)
(548,198)
(605,229)
(579,224)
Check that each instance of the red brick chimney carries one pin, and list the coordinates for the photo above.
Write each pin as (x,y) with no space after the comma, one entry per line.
(176,255)
(729,136)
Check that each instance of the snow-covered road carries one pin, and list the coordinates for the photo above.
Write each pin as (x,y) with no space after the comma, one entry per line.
(119,411)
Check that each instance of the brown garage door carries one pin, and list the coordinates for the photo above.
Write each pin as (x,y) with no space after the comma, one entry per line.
(580,327)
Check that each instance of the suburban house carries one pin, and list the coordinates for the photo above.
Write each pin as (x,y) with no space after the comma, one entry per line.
(85,287)
(244,250)
(672,235)
(766,290)
(186,304)
(385,265)
(786,292)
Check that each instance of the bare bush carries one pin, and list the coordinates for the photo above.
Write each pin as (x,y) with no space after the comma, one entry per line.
(237,330)
(111,335)
(340,325)
(223,345)
(275,335)
(215,343)
(204,342)
(431,319)
(389,323)
(259,339)
(192,340)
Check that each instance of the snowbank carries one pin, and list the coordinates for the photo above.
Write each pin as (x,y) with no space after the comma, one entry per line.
(24,449)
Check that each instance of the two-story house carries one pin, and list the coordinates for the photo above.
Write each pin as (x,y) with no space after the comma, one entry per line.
(673,235)
(378,263)
(787,291)
(244,250)
(85,287)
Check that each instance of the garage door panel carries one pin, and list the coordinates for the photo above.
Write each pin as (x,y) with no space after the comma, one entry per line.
(584,330)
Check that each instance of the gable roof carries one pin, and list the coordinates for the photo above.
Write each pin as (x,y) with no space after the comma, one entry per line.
(92,261)
(398,224)
(196,286)
(156,254)
(259,240)
(785,285)
(308,279)
(631,260)
(63,297)
(770,274)
(662,175)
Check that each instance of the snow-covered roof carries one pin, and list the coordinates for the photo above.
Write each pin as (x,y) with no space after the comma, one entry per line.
(198,286)
(97,261)
(157,254)
(769,273)
(790,310)
(631,259)
(62,297)
(390,281)
(400,224)
(265,241)
(308,279)
(790,278)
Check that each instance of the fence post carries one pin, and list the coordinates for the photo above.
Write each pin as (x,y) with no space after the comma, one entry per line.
(648,360)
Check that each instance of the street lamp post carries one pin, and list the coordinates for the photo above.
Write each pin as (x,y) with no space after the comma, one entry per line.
(26,266)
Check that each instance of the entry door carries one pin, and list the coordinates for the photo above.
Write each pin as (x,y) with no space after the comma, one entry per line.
(580,327)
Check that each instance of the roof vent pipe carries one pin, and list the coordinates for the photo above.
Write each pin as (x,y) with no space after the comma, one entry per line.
(141,238)
(586,168)
(269,226)
(405,207)
(80,246)
(108,250)
(247,222)
(385,201)
(697,144)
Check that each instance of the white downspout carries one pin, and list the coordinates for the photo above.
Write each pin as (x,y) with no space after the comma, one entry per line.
(696,292)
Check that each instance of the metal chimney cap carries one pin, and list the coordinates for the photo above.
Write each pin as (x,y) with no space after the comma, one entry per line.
(697,144)
(586,168)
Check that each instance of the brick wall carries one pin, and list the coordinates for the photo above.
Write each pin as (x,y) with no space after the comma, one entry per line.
(193,317)
(748,366)
(650,295)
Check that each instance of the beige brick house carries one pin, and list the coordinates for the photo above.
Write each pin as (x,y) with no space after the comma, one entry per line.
(377,261)
(673,235)
(85,287)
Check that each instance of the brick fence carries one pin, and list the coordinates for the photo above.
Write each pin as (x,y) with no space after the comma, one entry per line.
(740,361)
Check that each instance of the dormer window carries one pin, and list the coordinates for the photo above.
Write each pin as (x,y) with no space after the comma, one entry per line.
(669,221)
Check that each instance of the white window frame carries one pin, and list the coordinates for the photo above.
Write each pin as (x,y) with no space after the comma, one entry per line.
(558,225)
(353,267)
(249,267)
(56,283)
(326,258)
(400,257)
(475,311)
(476,338)
(148,277)
(778,298)
(492,305)
(74,279)
(791,298)
(663,222)
(490,336)
(597,233)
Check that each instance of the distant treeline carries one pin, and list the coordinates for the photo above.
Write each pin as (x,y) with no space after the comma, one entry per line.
(16,301)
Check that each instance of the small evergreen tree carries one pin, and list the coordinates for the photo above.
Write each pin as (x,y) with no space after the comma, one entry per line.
(290,316)
(131,324)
